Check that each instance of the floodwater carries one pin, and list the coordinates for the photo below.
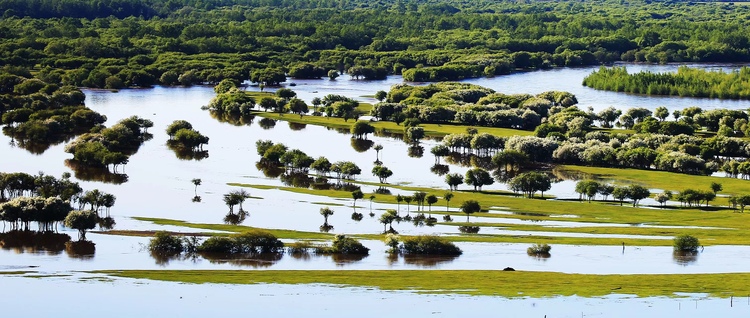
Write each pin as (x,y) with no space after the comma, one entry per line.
(159,185)
(119,252)
(209,300)
(560,79)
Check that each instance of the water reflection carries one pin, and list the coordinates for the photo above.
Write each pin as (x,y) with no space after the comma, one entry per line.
(296,126)
(233,119)
(184,153)
(684,258)
(84,250)
(344,259)
(361,145)
(34,242)
(415,151)
(106,223)
(428,260)
(262,260)
(267,123)
(36,148)
(297,179)
(325,228)
(439,169)
(87,173)
(236,218)
(269,170)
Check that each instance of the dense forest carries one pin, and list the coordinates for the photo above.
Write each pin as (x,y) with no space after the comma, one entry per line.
(139,43)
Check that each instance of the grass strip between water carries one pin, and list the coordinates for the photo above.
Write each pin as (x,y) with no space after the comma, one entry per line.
(727,227)
(471,282)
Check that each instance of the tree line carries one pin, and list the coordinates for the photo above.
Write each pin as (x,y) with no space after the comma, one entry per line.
(139,43)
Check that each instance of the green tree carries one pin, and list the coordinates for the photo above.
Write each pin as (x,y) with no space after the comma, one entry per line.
(448,196)
(326,212)
(361,128)
(81,221)
(431,199)
(454,180)
(470,207)
(382,173)
(356,195)
(196,182)
(478,177)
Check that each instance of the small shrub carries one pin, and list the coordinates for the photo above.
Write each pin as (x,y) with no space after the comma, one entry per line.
(539,249)
(469,229)
(301,247)
(217,244)
(686,243)
(254,241)
(257,241)
(391,240)
(166,243)
(347,245)
(447,218)
(429,245)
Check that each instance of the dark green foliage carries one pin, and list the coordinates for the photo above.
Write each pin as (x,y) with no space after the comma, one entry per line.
(429,245)
(686,82)
(686,243)
(343,244)
(165,243)
(539,249)
(250,242)
(81,221)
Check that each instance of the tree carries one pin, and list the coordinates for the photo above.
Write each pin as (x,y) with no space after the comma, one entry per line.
(298,106)
(316,101)
(356,195)
(414,134)
(387,218)
(408,200)
(661,112)
(176,126)
(637,193)
(419,198)
(326,212)
(399,199)
(587,187)
(333,74)
(380,95)
(478,177)
(469,207)
(448,196)
(321,165)
(620,194)
(377,148)
(285,93)
(716,187)
(663,197)
(431,199)
(361,128)
(383,173)
(454,180)
(267,103)
(529,183)
(81,221)
(372,197)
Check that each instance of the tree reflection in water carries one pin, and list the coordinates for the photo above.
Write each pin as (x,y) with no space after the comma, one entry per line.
(80,249)
(236,218)
(86,173)
(361,145)
(34,242)
(684,258)
(267,123)
(183,153)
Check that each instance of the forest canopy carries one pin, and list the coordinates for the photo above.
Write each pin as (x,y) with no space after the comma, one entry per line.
(139,43)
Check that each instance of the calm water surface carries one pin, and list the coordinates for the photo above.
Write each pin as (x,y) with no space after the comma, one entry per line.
(159,184)
(210,300)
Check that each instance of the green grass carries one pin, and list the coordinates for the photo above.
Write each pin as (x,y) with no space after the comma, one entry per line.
(472,282)
(435,130)
(280,233)
(733,228)
(665,180)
